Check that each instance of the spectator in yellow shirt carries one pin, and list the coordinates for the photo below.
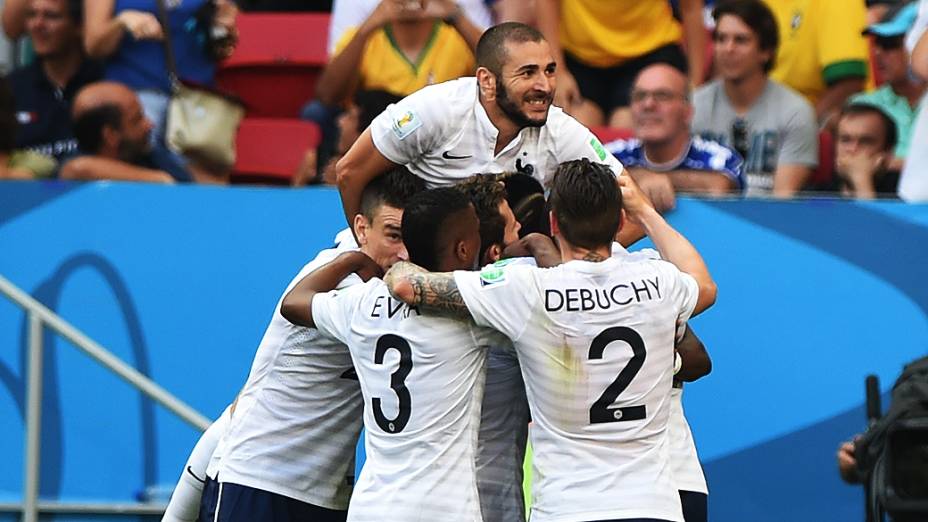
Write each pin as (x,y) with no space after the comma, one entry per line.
(601,46)
(822,53)
(400,48)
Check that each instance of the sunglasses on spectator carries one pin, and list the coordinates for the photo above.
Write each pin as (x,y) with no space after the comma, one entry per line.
(889,42)
(660,96)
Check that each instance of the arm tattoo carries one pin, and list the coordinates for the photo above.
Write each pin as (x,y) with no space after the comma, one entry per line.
(439,294)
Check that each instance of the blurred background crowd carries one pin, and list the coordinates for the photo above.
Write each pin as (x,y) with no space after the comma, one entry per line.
(769,98)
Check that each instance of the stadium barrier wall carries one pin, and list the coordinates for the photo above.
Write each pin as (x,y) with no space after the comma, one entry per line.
(180,282)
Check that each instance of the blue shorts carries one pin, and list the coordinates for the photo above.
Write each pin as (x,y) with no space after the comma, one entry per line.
(695,506)
(244,504)
(208,500)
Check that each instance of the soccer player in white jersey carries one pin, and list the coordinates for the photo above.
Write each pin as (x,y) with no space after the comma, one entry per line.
(504,414)
(595,337)
(499,121)
(288,451)
(693,363)
(421,376)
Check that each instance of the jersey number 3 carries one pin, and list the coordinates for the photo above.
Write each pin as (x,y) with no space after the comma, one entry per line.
(397,383)
(603,410)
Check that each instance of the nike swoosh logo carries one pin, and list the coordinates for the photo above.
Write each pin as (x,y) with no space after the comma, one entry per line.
(450,157)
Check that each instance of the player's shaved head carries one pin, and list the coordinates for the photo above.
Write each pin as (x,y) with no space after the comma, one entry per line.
(441,230)
(491,48)
(394,188)
(586,203)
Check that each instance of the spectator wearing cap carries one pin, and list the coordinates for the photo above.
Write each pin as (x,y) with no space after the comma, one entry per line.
(822,53)
(901,93)
(769,124)
(664,157)
(864,140)
(44,90)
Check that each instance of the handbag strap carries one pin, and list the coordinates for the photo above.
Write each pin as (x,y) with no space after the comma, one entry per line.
(168,45)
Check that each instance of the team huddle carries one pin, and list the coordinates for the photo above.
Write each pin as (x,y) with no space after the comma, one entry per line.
(462,314)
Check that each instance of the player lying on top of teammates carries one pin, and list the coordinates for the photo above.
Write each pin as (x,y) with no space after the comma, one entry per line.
(595,337)
(288,451)
(500,120)
(421,377)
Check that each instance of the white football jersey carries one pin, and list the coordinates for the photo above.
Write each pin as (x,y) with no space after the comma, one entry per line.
(683,457)
(298,417)
(442,134)
(422,379)
(595,342)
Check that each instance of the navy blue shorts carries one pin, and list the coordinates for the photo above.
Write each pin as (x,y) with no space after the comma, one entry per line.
(208,500)
(244,504)
(695,506)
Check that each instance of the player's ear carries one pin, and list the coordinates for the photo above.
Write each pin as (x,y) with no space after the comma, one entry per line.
(460,250)
(361,227)
(486,81)
(493,254)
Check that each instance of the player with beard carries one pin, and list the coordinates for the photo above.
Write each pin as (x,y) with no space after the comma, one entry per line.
(421,376)
(602,458)
(501,120)
(505,416)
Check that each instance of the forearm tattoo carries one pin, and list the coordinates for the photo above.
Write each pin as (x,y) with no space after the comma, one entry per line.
(439,294)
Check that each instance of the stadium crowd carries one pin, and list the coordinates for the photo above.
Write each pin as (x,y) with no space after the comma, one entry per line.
(760,98)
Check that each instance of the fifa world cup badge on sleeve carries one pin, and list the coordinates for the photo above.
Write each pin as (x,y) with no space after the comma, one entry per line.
(598,148)
(494,274)
(405,123)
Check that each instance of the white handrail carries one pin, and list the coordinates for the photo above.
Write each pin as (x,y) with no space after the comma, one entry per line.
(103,356)
(40,316)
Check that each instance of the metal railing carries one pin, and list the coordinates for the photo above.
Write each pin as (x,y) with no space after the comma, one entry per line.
(39,317)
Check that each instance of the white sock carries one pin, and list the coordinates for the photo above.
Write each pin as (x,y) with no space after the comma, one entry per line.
(185,501)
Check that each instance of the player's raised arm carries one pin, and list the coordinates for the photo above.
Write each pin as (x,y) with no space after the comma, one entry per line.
(361,164)
(296,306)
(672,246)
(434,292)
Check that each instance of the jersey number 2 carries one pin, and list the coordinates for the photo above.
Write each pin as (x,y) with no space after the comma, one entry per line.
(603,410)
(397,383)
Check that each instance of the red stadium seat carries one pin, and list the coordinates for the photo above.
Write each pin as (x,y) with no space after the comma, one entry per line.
(276,64)
(607,134)
(821,177)
(269,150)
